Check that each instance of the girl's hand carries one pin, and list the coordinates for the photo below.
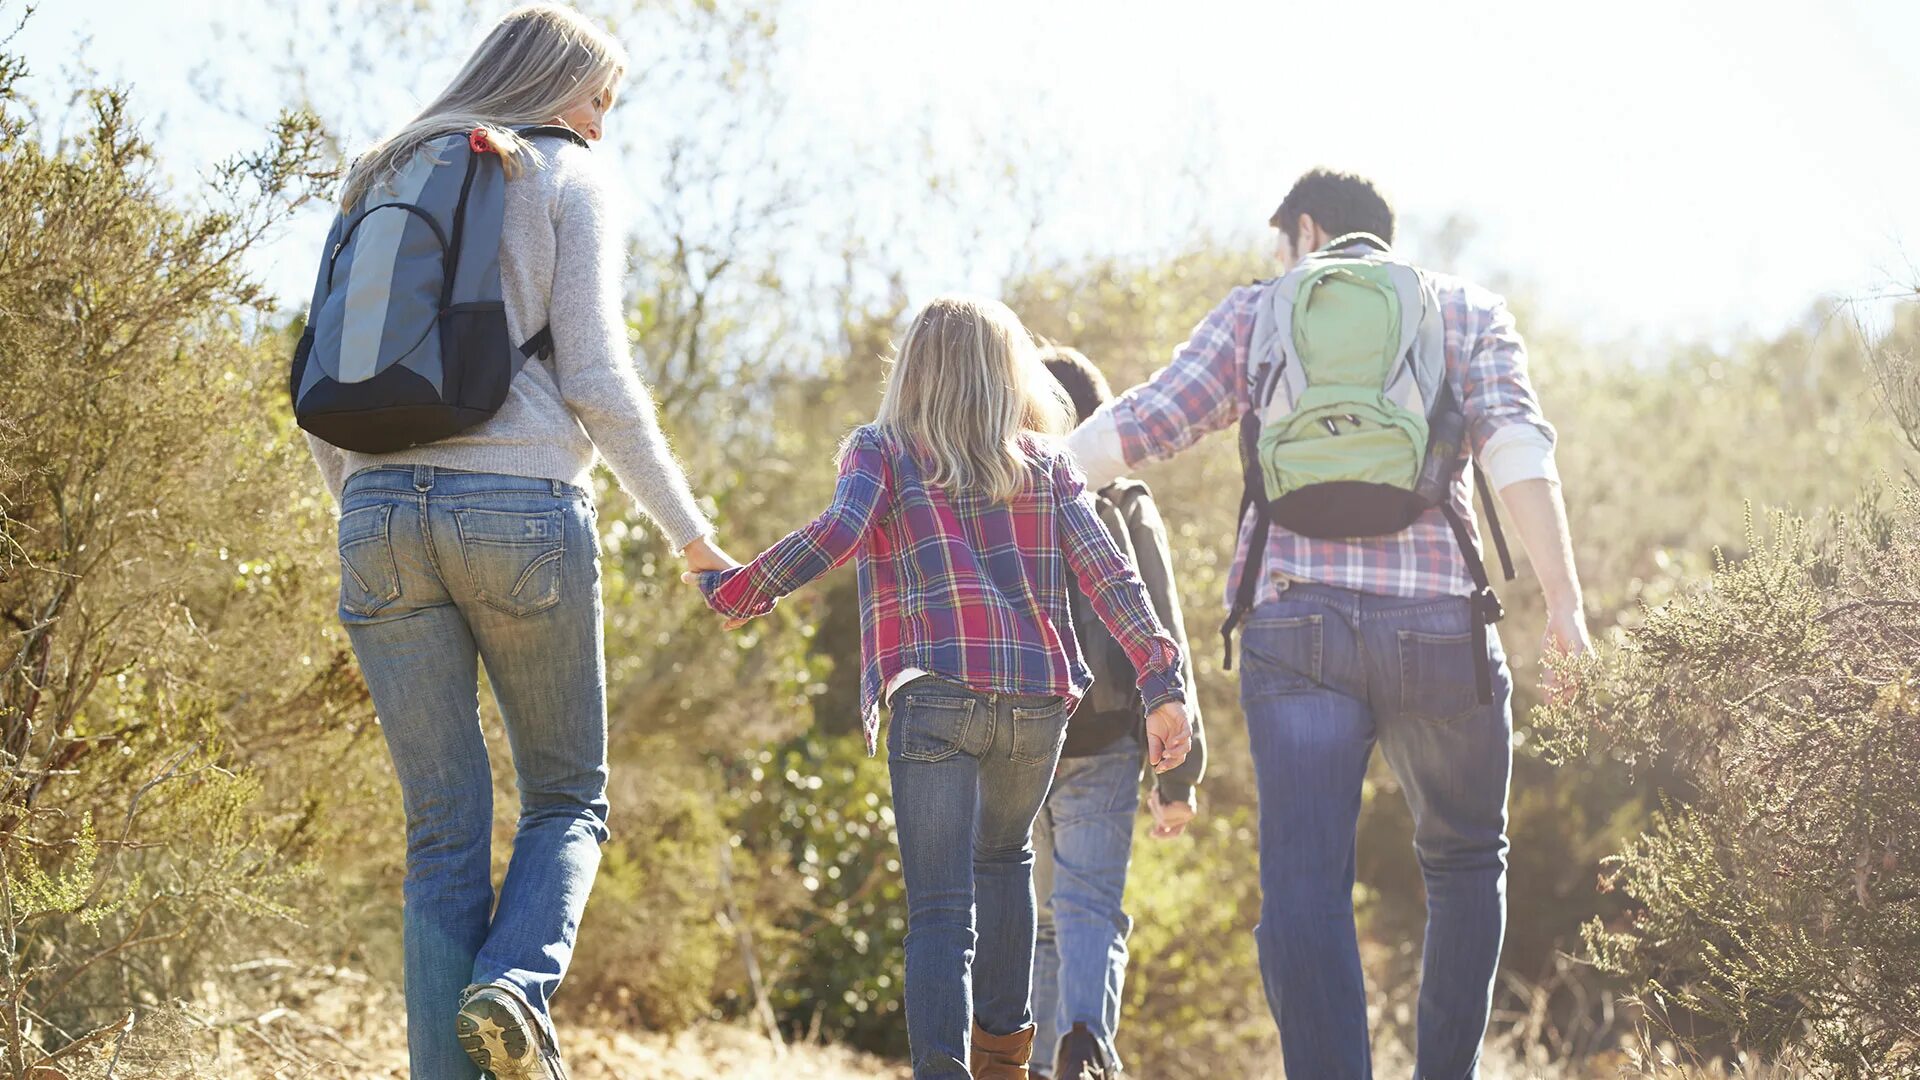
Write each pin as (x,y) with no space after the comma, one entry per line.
(704,554)
(692,577)
(1169,736)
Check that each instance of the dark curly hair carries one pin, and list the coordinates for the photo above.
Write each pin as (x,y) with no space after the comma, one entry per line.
(1338,202)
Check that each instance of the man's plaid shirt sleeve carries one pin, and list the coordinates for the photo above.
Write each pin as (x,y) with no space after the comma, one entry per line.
(1502,409)
(859,498)
(1200,391)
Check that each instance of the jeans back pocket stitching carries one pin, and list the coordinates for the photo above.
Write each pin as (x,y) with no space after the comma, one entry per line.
(1408,704)
(1316,622)
(468,542)
(965,706)
(1037,713)
(527,574)
(382,535)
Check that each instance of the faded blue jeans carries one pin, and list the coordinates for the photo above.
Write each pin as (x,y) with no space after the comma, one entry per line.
(969,771)
(443,570)
(1327,674)
(1083,844)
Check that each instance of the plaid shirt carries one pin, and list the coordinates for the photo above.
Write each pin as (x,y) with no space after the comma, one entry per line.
(1207,387)
(959,586)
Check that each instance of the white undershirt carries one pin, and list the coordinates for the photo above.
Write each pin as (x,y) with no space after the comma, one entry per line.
(899,681)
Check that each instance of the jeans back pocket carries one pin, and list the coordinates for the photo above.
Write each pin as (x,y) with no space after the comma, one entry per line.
(369,580)
(1437,675)
(1038,733)
(513,558)
(929,727)
(1281,654)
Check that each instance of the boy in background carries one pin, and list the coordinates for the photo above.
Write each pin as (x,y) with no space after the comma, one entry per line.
(1083,839)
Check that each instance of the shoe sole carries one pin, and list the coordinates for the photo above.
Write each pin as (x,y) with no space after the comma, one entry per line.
(497,1040)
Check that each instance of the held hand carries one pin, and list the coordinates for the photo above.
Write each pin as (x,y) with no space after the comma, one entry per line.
(692,577)
(1169,818)
(1566,636)
(1169,736)
(704,554)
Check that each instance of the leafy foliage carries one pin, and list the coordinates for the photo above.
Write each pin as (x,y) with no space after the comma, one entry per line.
(146,584)
(1777,893)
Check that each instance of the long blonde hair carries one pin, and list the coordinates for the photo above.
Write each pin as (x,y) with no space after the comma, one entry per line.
(968,388)
(537,62)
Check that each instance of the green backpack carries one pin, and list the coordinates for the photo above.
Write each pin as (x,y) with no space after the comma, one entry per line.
(1354,429)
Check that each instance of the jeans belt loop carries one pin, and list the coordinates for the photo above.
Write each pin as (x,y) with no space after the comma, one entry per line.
(423,478)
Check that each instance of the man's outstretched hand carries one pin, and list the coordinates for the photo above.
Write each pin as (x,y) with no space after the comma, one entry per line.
(1169,736)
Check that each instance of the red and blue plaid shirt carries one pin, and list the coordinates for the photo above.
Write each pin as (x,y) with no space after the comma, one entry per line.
(1207,387)
(959,586)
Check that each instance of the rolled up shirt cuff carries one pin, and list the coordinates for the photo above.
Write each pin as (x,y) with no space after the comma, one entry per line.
(1159,688)
(710,584)
(1518,452)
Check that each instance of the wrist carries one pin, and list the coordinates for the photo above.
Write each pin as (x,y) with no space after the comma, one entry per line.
(1566,607)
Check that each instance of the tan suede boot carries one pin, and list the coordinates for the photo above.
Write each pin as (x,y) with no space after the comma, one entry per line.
(1000,1057)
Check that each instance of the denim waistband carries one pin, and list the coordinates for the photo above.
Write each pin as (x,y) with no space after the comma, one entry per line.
(935,682)
(1359,603)
(439,480)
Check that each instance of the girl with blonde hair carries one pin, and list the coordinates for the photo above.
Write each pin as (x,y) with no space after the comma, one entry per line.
(481,547)
(965,519)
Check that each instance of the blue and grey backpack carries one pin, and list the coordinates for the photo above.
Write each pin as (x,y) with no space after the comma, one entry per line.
(406,339)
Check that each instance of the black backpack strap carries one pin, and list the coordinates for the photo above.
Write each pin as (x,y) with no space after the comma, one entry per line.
(1251,501)
(1483,606)
(539,346)
(558,130)
(1493,521)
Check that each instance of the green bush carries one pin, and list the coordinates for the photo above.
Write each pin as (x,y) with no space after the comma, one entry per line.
(159,573)
(1776,893)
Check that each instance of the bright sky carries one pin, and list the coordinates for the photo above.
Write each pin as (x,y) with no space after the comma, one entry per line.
(1642,167)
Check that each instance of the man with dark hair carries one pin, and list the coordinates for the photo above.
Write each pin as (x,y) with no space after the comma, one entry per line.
(1364,387)
(1340,203)
(1083,838)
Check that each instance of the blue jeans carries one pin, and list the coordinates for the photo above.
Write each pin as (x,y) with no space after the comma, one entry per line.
(442,570)
(969,771)
(1083,843)
(1327,673)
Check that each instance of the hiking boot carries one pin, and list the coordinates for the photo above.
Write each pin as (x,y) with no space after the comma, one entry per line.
(1000,1057)
(501,1036)
(1082,1057)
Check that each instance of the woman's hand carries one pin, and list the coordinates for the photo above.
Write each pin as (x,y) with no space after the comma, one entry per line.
(694,577)
(704,554)
(1169,736)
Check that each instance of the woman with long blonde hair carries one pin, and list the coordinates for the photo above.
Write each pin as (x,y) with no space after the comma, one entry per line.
(481,547)
(965,520)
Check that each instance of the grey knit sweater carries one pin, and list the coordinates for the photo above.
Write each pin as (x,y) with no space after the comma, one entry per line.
(562,258)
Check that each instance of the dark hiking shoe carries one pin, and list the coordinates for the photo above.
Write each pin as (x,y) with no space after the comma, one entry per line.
(501,1036)
(1081,1057)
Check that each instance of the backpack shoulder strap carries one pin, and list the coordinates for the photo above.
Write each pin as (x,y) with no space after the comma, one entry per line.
(556,130)
(540,345)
